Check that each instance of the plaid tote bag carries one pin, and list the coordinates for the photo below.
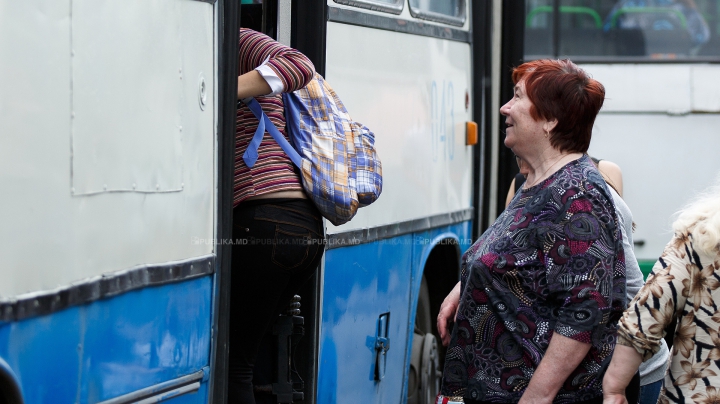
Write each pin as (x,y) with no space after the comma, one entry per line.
(338,163)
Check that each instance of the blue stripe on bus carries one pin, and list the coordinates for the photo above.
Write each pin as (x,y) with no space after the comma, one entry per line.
(113,346)
(360,283)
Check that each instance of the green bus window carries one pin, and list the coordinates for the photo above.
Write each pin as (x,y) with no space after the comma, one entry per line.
(617,30)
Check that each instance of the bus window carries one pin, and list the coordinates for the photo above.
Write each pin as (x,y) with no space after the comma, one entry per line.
(448,11)
(538,29)
(623,29)
(388,6)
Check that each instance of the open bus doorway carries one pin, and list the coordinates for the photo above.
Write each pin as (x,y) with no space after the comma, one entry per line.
(280,375)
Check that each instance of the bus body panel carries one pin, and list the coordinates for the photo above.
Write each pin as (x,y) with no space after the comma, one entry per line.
(107,157)
(425,242)
(195,397)
(413,92)
(112,347)
(659,124)
(410,90)
(360,284)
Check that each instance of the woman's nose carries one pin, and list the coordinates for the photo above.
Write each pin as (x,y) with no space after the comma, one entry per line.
(505,109)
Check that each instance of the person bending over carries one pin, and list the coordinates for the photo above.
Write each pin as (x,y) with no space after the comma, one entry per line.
(280,232)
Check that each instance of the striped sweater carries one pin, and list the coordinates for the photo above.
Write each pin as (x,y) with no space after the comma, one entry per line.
(273,170)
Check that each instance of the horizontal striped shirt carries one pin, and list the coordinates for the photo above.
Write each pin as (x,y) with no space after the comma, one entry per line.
(273,171)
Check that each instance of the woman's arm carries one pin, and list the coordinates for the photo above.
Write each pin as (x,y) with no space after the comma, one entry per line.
(561,358)
(289,68)
(612,174)
(655,305)
(252,84)
(584,290)
(624,364)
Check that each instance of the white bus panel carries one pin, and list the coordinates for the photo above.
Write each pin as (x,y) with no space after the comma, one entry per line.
(106,150)
(660,124)
(413,92)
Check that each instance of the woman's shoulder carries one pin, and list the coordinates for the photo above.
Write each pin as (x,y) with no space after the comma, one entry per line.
(579,187)
(700,220)
(581,176)
(249,34)
(693,245)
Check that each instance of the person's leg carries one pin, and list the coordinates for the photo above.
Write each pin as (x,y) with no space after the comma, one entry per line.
(254,291)
(282,250)
(649,393)
(300,270)
(305,214)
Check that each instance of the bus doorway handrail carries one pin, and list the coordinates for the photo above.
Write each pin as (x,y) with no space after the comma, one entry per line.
(648,10)
(565,10)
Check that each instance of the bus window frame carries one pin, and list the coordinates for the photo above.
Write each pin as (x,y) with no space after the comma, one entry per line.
(443,18)
(396,8)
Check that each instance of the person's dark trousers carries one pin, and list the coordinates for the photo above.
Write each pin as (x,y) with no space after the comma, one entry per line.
(277,246)
(632,391)
(650,392)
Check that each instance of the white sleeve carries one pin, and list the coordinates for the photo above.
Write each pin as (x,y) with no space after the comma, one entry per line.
(276,85)
(633,275)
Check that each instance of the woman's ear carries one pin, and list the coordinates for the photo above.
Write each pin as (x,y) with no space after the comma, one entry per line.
(550,125)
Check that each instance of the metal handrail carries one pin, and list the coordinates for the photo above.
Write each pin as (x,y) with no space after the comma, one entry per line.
(648,10)
(564,9)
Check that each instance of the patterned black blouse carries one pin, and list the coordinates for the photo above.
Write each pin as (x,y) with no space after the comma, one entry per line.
(552,262)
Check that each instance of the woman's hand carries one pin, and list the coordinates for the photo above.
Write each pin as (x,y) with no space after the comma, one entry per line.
(448,313)
(625,362)
(614,398)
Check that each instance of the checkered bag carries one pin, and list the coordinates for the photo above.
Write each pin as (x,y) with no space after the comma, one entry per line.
(339,167)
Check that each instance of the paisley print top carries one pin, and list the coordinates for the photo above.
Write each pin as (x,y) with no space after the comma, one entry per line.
(551,263)
(684,283)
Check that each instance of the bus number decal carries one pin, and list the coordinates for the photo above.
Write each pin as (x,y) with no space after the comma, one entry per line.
(442,120)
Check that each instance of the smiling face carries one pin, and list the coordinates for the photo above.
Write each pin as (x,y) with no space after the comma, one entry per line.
(523,132)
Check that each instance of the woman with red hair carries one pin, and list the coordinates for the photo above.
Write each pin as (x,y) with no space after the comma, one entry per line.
(541,291)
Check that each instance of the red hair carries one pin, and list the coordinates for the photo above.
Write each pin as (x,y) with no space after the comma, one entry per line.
(558,89)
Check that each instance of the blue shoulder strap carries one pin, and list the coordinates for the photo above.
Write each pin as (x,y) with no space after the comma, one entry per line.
(264,123)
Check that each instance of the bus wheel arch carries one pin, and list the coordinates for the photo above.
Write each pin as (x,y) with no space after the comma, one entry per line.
(10,392)
(440,274)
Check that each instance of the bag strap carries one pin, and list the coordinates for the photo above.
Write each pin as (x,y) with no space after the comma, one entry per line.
(264,123)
